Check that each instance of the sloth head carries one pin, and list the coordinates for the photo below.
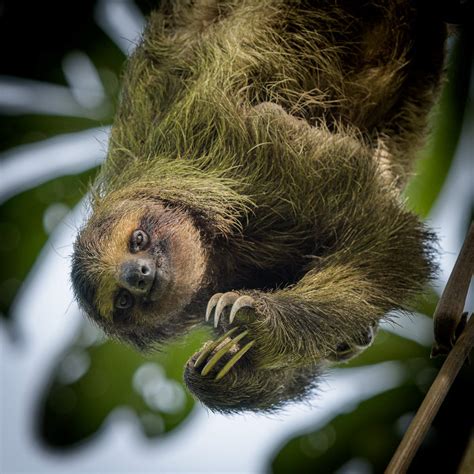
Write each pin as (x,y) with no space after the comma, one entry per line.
(135,269)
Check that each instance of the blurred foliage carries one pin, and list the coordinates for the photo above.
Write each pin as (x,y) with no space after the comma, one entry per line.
(435,159)
(25,224)
(349,436)
(368,435)
(94,377)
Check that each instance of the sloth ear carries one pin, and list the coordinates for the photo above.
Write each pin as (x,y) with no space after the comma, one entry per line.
(346,350)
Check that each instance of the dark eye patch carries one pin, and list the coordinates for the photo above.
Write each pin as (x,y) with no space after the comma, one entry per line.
(123,300)
(122,316)
(123,303)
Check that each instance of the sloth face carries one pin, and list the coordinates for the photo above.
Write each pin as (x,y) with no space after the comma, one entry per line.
(134,270)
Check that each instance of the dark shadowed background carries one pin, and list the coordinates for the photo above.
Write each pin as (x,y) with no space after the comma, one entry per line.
(71,401)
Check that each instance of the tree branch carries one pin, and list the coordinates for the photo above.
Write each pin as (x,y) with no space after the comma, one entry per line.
(448,316)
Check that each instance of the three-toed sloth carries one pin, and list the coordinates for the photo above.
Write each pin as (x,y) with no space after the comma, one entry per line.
(253,180)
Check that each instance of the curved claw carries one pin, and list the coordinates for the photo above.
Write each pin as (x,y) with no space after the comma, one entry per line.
(223,350)
(241,302)
(211,304)
(225,300)
(234,359)
(202,357)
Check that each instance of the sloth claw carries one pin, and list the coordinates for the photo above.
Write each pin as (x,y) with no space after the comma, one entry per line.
(221,352)
(220,301)
(215,350)
(241,302)
(211,304)
(225,300)
(210,347)
(233,360)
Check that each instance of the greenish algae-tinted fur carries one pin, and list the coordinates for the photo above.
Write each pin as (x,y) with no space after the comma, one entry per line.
(286,130)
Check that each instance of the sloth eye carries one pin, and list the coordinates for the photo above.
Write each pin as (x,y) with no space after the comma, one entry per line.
(124,300)
(139,241)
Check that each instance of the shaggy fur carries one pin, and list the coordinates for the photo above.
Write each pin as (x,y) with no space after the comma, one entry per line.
(284,131)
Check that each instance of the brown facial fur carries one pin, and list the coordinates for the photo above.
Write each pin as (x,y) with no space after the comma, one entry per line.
(180,252)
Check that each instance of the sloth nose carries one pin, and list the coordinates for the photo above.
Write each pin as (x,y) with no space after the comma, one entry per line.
(137,275)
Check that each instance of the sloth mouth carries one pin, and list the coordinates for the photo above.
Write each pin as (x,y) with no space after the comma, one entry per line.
(156,289)
(153,287)
(159,285)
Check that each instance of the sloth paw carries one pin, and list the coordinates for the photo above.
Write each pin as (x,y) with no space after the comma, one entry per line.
(219,356)
(223,301)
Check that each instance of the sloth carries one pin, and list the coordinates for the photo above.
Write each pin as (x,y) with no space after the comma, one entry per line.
(254,183)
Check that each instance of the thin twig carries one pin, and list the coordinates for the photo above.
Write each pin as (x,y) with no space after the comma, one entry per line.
(449,311)
(447,315)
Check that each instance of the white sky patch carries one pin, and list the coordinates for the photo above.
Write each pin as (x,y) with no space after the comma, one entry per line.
(417,327)
(27,166)
(83,79)
(122,21)
(26,96)
(53,215)
(454,204)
